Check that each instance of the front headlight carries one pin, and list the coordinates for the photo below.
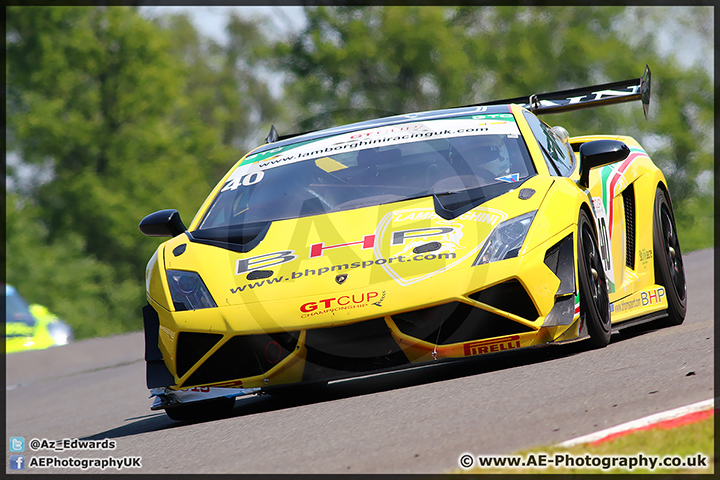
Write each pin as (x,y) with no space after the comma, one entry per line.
(505,241)
(60,332)
(188,291)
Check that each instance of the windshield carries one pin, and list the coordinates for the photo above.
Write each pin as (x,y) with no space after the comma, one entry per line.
(372,167)
(16,310)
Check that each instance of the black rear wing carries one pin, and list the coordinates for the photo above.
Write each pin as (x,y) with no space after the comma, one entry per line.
(585,97)
(560,101)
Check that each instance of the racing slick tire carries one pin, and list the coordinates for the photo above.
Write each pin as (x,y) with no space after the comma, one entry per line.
(594,300)
(208,409)
(669,269)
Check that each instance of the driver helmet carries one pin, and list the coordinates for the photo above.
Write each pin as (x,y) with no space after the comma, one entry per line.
(486,151)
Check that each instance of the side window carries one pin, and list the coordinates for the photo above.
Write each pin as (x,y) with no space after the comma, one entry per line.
(557,154)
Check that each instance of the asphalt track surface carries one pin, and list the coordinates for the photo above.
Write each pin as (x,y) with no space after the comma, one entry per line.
(417,421)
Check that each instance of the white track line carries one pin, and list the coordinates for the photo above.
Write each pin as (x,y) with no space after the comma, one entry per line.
(641,422)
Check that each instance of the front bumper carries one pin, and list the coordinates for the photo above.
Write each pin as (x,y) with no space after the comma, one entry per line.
(516,303)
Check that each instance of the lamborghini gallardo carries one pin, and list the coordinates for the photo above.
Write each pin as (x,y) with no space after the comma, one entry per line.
(413,238)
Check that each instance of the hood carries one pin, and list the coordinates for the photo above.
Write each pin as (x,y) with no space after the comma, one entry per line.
(398,244)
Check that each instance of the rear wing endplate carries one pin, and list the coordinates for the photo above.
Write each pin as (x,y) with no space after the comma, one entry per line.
(585,97)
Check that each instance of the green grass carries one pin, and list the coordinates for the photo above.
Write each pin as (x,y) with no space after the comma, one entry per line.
(684,441)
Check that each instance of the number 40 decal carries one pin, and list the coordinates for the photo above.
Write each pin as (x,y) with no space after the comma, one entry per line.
(603,237)
(244,180)
(604,243)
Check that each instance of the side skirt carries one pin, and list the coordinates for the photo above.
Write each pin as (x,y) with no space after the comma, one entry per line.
(651,317)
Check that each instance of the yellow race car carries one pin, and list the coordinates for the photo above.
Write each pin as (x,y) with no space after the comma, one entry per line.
(408,239)
(31,327)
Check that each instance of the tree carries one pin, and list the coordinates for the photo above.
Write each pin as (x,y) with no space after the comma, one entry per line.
(393,59)
(404,59)
(126,117)
(59,273)
(115,116)
(224,95)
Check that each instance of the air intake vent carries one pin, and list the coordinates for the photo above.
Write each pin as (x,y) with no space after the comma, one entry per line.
(509,296)
(454,323)
(191,347)
(245,356)
(560,259)
(629,204)
(359,347)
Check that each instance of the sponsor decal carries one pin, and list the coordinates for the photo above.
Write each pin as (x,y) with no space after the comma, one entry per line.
(512,178)
(576,312)
(343,302)
(310,272)
(398,237)
(645,255)
(369,138)
(599,95)
(389,131)
(652,297)
(429,227)
(613,181)
(379,302)
(488,346)
(234,383)
(604,245)
(480,215)
(241,178)
(647,298)
(197,389)
(266,260)
(401,237)
(500,116)
(316,249)
(167,331)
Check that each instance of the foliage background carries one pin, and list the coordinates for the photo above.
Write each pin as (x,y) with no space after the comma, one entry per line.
(112,115)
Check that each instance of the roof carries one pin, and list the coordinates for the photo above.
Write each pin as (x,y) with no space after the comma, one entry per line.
(385,121)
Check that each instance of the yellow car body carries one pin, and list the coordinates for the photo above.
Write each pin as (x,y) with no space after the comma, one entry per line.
(362,288)
(31,327)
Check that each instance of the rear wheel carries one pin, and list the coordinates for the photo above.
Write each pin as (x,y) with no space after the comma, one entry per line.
(669,269)
(208,409)
(594,300)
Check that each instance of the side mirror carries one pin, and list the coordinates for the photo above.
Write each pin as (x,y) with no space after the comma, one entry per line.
(165,223)
(599,153)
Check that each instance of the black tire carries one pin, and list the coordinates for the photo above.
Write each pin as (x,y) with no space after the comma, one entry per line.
(594,300)
(205,410)
(669,269)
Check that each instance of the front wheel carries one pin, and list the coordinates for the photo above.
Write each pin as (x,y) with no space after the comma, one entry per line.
(594,300)
(669,269)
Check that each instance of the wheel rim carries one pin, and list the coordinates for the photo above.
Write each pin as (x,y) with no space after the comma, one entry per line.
(595,275)
(673,257)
